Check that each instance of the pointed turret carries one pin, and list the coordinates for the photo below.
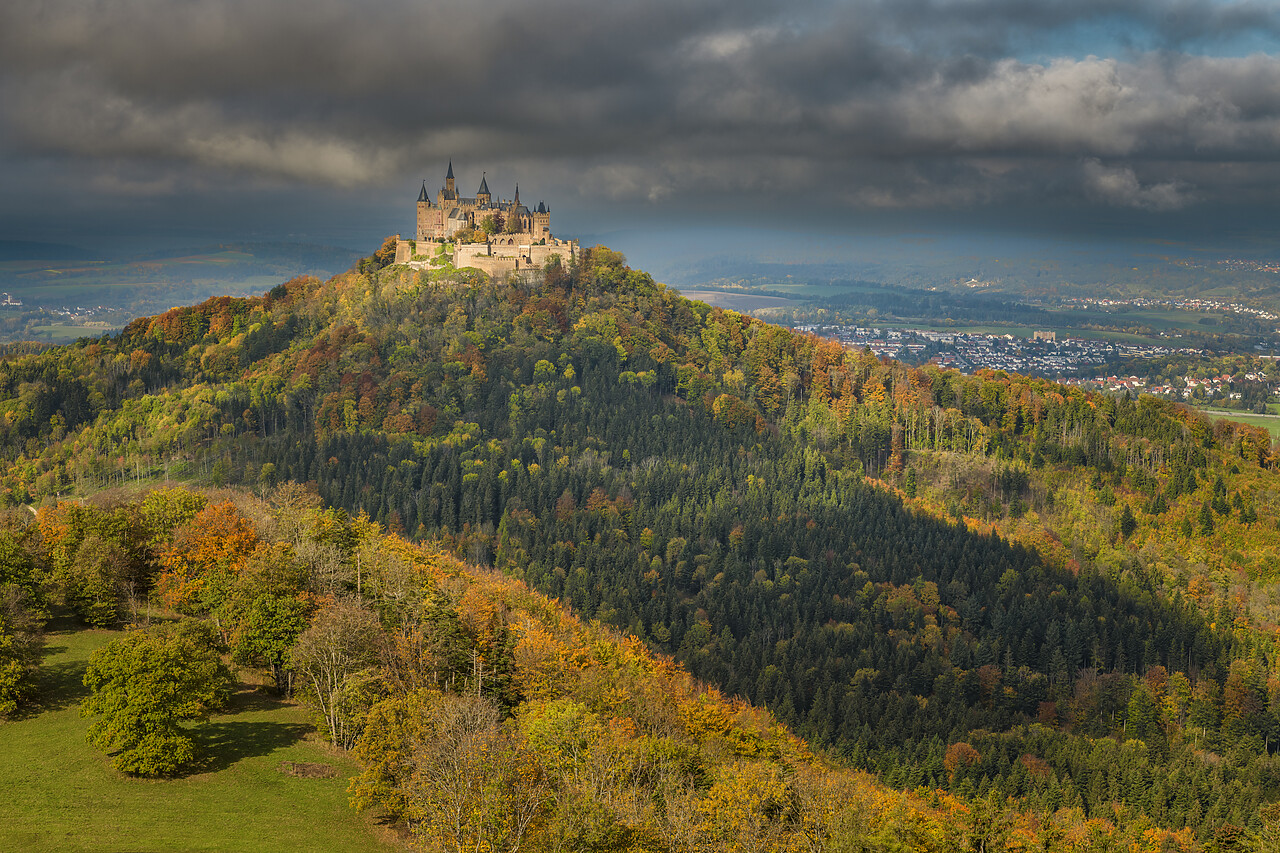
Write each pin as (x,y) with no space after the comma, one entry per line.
(426,225)
(516,200)
(450,189)
(484,186)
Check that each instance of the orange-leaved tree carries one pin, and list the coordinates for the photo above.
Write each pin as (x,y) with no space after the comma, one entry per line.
(203,557)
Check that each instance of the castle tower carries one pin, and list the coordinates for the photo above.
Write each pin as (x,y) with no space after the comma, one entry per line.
(541,222)
(449,187)
(482,195)
(426,229)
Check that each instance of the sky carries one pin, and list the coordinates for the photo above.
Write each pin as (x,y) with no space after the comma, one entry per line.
(193,120)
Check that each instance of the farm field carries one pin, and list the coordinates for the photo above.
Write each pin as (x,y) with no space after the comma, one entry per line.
(1271,423)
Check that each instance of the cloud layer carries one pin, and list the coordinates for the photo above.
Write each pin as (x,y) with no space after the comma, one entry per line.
(893,104)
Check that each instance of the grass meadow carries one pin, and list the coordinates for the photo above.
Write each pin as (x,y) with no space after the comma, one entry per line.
(61,794)
(1271,423)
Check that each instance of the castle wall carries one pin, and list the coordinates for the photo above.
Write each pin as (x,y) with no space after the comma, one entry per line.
(566,249)
(519,255)
(496,259)
(495,267)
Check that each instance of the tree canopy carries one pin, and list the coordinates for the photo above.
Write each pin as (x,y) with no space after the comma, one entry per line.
(143,685)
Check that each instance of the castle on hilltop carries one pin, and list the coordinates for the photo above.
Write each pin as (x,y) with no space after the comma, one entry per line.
(496,236)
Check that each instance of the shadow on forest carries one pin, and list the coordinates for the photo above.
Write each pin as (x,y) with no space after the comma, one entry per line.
(226,741)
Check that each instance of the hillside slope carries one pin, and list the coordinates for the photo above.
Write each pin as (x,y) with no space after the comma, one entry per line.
(699,479)
(483,715)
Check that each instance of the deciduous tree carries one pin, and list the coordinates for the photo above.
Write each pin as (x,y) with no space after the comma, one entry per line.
(143,685)
(335,657)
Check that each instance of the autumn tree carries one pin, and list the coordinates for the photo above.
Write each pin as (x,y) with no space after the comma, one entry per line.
(385,749)
(385,255)
(475,787)
(203,558)
(336,657)
(749,807)
(959,755)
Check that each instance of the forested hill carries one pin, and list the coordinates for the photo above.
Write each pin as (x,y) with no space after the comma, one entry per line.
(1013,591)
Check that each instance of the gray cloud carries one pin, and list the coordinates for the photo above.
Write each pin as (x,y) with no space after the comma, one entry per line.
(879,103)
(1119,186)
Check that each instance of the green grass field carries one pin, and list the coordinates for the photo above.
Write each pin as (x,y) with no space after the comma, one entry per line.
(61,794)
(1271,423)
(61,333)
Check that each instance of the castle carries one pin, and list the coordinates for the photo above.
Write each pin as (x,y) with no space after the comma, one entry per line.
(500,236)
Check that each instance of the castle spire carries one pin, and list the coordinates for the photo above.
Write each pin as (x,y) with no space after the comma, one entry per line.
(516,200)
(422,196)
(450,173)
(484,185)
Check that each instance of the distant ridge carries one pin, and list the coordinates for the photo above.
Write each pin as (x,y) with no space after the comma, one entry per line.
(336,258)
(28,250)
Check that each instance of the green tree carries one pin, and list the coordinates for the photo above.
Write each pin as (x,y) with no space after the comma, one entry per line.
(267,632)
(1206,519)
(1128,523)
(20,643)
(143,685)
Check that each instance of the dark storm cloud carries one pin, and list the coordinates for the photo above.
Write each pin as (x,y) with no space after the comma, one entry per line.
(900,103)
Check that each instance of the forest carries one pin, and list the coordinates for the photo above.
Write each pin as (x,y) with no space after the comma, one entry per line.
(483,715)
(1000,593)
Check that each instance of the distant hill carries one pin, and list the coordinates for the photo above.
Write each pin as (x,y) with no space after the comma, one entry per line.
(25,250)
(44,275)
(300,258)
